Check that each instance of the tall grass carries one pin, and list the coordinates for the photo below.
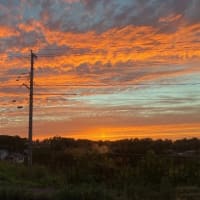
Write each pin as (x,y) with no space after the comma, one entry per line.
(36,176)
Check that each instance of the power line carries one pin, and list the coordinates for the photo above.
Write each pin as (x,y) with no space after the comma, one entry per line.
(105,85)
(88,97)
(125,99)
(138,99)
(120,85)
(146,98)
(52,94)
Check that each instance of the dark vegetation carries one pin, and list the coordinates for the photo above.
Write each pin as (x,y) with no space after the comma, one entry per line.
(123,170)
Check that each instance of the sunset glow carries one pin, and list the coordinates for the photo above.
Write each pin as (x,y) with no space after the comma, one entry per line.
(106,70)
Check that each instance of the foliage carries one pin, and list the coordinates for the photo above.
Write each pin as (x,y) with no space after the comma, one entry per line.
(128,169)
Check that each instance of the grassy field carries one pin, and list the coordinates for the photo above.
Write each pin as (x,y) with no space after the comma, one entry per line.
(20,182)
(123,170)
(41,183)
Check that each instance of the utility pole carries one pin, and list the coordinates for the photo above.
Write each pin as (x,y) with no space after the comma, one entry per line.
(30,133)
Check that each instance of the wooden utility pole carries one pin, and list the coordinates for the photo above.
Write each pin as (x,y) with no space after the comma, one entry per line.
(30,133)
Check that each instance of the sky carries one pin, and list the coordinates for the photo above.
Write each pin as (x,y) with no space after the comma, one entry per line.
(106,69)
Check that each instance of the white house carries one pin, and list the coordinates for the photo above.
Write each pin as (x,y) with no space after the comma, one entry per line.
(16,158)
(3,154)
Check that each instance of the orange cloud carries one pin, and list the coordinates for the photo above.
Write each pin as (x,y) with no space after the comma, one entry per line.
(6,31)
(171,18)
(131,43)
(138,44)
(127,51)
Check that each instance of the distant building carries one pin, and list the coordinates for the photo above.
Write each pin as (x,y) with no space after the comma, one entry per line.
(12,157)
(3,154)
(16,158)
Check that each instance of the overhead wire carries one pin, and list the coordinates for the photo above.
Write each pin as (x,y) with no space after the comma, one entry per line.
(55,94)
(120,85)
